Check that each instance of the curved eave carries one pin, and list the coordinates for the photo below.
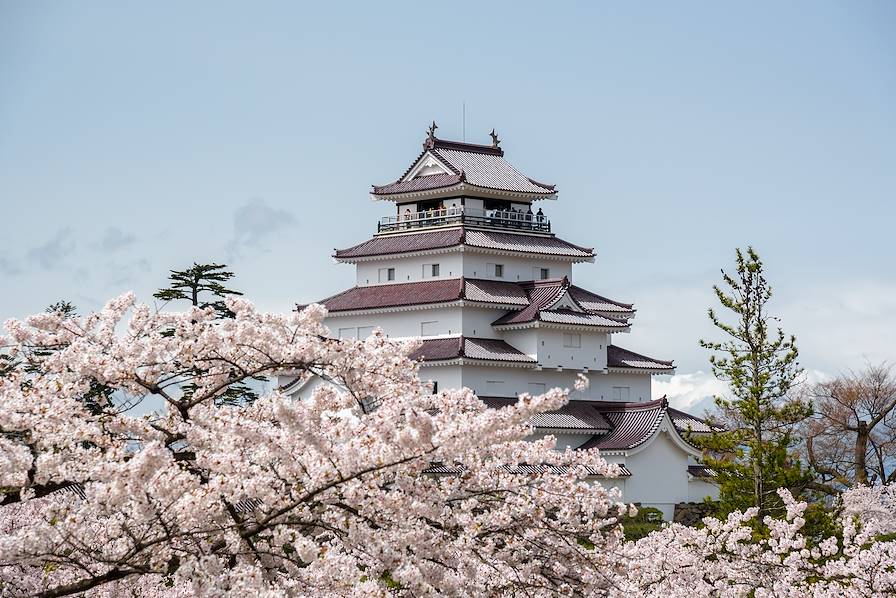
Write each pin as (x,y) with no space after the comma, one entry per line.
(481,362)
(668,426)
(556,326)
(464,187)
(462,248)
(652,372)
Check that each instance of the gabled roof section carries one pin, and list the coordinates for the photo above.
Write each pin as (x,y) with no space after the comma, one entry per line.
(551,302)
(617,357)
(600,304)
(685,422)
(461,347)
(477,165)
(633,423)
(454,237)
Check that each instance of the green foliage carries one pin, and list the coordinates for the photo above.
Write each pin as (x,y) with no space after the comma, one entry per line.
(200,278)
(647,520)
(752,454)
(202,285)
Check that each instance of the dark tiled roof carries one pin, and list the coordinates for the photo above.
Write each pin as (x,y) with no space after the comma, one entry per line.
(387,245)
(526,243)
(576,416)
(427,292)
(452,237)
(422,183)
(395,295)
(479,165)
(545,293)
(566,316)
(442,468)
(486,349)
(617,357)
(494,291)
(701,471)
(597,303)
(633,423)
(685,422)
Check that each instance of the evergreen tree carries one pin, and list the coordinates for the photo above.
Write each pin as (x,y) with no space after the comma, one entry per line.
(752,453)
(203,285)
(200,278)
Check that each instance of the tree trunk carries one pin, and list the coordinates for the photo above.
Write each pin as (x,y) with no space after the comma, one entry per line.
(861,451)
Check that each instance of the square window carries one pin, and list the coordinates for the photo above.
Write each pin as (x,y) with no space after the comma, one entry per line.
(386,274)
(545,273)
(429,328)
(435,269)
(499,270)
(621,393)
(572,340)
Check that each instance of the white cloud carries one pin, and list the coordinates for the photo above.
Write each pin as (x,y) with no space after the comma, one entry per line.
(692,392)
(254,223)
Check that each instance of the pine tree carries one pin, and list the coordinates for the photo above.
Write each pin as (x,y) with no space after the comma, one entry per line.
(201,278)
(752,453)
(191,285)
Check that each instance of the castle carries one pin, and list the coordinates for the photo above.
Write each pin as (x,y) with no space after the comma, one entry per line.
(469,261)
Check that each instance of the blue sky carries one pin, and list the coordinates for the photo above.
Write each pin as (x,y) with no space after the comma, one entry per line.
(135,138)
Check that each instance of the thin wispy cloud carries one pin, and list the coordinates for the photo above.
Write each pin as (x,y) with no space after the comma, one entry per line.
(253,223)
(114,239)
(8,268)
(51,255)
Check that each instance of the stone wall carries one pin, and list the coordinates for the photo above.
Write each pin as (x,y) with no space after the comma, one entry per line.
(691,513)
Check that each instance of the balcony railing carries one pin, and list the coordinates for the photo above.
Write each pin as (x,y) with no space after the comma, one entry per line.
(461,215)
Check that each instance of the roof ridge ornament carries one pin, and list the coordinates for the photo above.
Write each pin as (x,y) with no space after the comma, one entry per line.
(496,143)
(430,141)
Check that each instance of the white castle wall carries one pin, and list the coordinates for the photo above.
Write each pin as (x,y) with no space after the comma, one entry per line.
(410,269)
(478,265)
(659,475)
(511,382)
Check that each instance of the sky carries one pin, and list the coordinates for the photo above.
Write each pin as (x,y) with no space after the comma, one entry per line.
(136,138)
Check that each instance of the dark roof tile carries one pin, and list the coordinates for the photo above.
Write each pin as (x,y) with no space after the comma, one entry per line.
(617,357)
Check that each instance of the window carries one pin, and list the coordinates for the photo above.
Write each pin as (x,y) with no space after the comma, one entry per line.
(387,274)
(499,270)
(536,388)
(430,270)
(364,331)
(621,393)
(544,273)
(347,333)
(429,328)
(572,340)
(435,387)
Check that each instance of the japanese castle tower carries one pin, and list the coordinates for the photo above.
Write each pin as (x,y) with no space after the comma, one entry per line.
(468,260)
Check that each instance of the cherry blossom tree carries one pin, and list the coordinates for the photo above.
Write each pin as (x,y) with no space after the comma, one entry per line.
(422,495)
(326,496)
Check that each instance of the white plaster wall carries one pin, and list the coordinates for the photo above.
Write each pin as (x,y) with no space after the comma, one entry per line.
(515,269)
(447,376)
(564,441)
(699,489)
(402,324)
(524,340)
(659,476)
(638,385)
(520,380)
(410,269)
(478,322)
(592,353)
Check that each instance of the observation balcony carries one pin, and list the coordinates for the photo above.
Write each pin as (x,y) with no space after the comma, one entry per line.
(506,219)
